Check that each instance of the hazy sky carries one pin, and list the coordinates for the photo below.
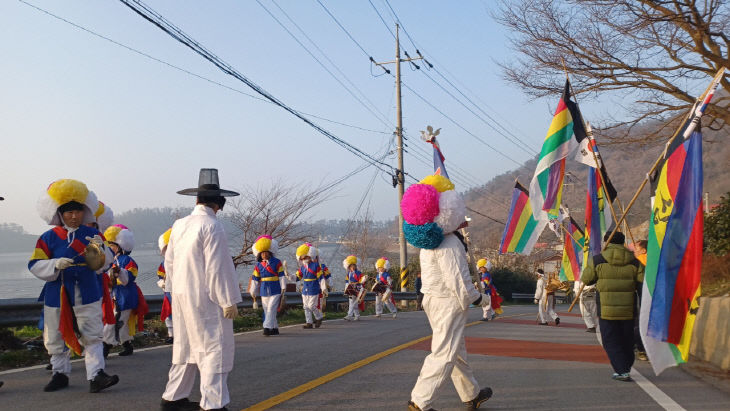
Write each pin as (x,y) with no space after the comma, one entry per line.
(136,131)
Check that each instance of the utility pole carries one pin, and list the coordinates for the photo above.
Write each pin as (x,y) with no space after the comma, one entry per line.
(400,175)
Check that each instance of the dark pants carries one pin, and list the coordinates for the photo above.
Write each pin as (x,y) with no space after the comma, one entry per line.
(618,341)
(638,343)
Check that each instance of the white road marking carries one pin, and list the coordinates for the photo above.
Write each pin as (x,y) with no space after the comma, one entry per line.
(655,393)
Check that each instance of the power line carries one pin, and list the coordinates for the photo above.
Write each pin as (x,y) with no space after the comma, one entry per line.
(395,17)
(345,30)
(182,70)
(176,33)
(359,100)
(381,18)
(350,36)
(523,145)
(459,125)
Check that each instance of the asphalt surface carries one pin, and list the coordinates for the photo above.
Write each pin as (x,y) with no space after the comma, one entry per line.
(528,366)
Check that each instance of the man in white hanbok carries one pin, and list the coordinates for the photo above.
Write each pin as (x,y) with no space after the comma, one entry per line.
(202,280)
(588,308)
(447,287)
(545,300)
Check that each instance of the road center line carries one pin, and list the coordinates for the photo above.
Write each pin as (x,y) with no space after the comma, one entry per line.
(655,393)
(296,391)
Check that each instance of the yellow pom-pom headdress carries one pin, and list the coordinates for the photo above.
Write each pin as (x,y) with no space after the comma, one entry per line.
(382,262)
(265,243)
(120,235)
(104,216)
(164,240)
(64,191)
(439,182)
(348,261)
(306,249)
(484,263)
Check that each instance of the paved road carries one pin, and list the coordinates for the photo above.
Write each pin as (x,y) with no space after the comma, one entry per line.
(528,366)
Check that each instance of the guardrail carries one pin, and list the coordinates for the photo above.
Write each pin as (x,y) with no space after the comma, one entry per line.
(27,311)
(560,296)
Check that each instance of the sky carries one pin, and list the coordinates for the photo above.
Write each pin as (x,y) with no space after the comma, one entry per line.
(136,130)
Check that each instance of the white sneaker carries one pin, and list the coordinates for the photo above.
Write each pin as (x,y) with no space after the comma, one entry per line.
(377,315)
(395,314)
(357,318)
(348,318)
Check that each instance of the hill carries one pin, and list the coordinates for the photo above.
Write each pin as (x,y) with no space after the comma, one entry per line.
(626,165)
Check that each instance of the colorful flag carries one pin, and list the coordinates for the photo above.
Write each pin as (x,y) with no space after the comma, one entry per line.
(67,324)
(598,217)
(429,136)
(674,256)
(572,253)
(564,136)
(674,251)
(522,228)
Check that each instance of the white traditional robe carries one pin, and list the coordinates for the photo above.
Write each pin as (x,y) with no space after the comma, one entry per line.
(202,280)
(448,291)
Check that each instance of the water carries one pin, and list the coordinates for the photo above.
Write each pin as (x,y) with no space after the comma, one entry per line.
(17,282)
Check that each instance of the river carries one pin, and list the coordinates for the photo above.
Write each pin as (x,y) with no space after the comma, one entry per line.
(17,282)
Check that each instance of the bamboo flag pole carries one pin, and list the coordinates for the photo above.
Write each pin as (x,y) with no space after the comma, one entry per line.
(589,132)
(568,232)
(589,135)
(694,115)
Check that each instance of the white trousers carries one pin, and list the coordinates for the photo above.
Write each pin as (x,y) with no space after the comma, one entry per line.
(547,311)
(379,305)
(109,333)
(487,310)
(88,318)
(213,387)
(589,310)
(310,308)
(270,305)
(168,324)
(448,353)
(353,309)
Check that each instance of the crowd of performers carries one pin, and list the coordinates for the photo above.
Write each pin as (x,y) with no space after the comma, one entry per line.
(92,302)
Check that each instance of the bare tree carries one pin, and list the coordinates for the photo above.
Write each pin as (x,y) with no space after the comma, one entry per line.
(275,209)
(650,52)
(366,240)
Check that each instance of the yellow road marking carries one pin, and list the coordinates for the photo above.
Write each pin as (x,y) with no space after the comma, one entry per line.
(296,391)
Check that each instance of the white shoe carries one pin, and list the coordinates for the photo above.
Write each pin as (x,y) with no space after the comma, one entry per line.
(348,318)
(357,318)
(377,315)
(395,314)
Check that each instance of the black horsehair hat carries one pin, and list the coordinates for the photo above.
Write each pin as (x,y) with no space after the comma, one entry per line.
(208,186)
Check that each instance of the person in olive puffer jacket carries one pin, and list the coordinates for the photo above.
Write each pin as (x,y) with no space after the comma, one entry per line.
(616,273)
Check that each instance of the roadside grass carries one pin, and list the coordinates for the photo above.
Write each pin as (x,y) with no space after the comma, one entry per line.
(23,346)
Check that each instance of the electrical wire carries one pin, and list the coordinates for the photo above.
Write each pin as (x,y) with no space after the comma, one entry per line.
(359,100)
(382,19)
(514,139)
(182,70)
(176,33)
(459,125)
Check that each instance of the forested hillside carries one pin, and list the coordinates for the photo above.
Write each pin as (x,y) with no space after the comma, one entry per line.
(627,165)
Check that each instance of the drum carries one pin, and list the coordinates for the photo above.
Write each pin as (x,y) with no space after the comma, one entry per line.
(380,287)
(353,289)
